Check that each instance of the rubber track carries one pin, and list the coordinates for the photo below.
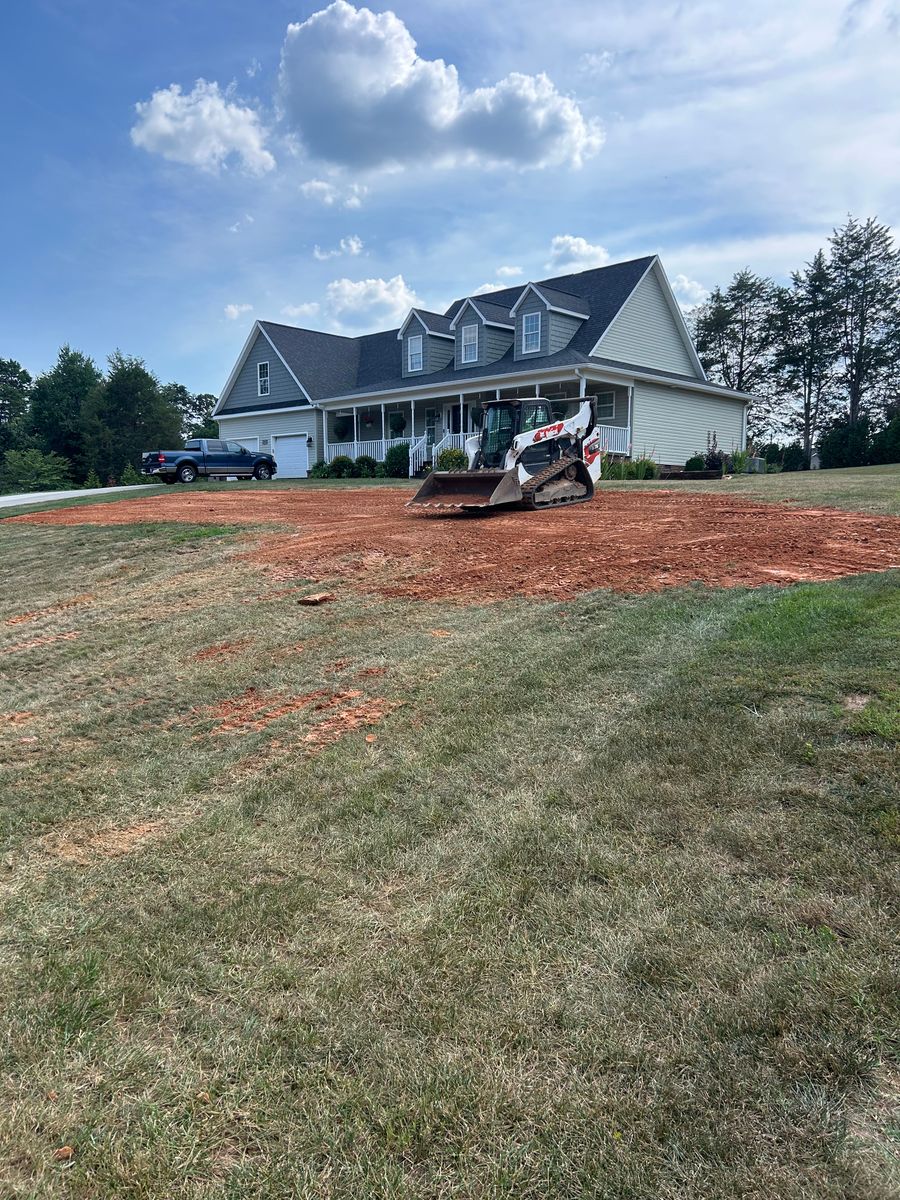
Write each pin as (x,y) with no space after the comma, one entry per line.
(547,476)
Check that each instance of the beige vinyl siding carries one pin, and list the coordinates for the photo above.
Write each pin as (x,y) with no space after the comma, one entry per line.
(266,425)
(646,333)
(670,424)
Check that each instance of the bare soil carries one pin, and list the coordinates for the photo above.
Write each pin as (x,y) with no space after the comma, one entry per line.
(628,541)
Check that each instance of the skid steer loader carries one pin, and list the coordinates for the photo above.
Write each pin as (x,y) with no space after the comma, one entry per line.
(521,456)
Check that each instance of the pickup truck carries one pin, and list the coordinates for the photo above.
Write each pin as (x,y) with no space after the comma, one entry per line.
(205,458)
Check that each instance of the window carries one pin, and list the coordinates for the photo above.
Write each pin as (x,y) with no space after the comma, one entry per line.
(535,413)
(235,447)
(470,343)
(215,447)
(606,406)
(193,445)
(531,332)
(262,379)
(414,353)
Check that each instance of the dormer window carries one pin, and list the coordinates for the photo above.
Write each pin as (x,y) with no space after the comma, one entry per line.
(531,332)
(470,343)
(414,353)
(262,379)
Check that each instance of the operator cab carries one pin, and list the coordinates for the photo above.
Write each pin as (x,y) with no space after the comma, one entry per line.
(505,420)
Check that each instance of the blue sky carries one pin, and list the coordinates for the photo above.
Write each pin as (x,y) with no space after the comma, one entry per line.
(338,163)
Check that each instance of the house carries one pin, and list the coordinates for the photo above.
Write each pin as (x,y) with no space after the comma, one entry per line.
(615,332)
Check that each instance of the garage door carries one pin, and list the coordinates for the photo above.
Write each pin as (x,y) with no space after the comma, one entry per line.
(291,455)
(248,443)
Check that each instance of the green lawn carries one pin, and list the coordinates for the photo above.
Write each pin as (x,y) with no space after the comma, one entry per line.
(606,908)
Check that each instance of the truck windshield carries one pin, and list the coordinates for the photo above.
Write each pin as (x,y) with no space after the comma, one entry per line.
(497,434)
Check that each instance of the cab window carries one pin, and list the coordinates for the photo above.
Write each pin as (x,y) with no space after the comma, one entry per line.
(234,447)
(535,413)
(194,445)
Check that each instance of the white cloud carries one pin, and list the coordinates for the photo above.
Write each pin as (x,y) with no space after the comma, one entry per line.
(202,129)
(351,246)
(689,292)
(331,194)
(233,311)
(569,253)
(489,287)
(354,89)
(254,68)
(246,219)
(509,272)
(596,61)
(375,303)
(309,309)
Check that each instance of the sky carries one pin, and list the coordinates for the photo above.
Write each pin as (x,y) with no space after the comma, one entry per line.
(174,170)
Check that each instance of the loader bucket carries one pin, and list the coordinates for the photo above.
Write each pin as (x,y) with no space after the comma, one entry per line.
(468,490)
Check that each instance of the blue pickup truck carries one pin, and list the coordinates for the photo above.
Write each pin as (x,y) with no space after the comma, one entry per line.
(204,458)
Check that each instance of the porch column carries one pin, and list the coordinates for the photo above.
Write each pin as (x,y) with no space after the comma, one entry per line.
(537,389)
(355,429)
(383,433)
(412,419)
(325,434)
(462,429)
(630,404)
(582,387)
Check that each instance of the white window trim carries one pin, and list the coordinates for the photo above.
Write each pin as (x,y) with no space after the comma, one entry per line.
(464,344)
(609,397)
(416,337)
(535,349)
(259,379)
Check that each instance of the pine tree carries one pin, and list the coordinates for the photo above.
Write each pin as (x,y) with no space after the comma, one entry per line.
(15,392)
(807,349)
(865,272)
(57,401)
(734,332)
(124,415)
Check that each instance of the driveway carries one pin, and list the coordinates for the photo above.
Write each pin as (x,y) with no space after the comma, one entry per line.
(47,497)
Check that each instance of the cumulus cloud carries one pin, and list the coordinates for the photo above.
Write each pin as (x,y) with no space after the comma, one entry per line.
(351,246)
(370,302)
(489,287)
(569,253)
(509,272)
(331,194)
(203,128)
(354,89)
(595,61)
(246,219)
(233,311)
(309,309)
(689,292)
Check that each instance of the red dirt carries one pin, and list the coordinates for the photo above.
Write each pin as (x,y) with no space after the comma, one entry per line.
(253,711)
(34,643)
(221,650)
(51,609)
(370,712)
(628,541)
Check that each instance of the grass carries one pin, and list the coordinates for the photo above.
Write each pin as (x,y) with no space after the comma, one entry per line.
(605,909)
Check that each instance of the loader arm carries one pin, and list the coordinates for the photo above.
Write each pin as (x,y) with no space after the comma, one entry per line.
(577,429)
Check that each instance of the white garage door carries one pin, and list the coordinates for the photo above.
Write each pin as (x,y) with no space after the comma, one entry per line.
(248,443)
(291,455)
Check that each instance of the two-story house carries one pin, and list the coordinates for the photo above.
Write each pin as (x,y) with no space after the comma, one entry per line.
(615,332)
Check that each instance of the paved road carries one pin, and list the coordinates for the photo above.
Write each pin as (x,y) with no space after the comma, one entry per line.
(47,497)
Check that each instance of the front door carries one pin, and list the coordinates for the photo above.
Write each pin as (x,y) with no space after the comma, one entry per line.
(431,417)
(452,422)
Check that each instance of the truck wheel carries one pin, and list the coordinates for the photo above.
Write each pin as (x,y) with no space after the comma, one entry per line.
(187,473)
(262,471)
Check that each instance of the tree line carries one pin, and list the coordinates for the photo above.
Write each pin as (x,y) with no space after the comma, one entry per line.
(76,424)
(821,355)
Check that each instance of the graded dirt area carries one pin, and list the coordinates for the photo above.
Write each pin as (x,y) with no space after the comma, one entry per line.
(628,541)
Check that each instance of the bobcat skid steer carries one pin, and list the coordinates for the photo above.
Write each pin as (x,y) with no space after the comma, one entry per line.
(521,456)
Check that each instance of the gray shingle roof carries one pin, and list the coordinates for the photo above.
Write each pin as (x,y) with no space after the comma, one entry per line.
(498,313)
(434,322)
(330,365)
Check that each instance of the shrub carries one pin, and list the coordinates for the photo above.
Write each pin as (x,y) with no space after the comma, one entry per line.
(643,468)
(792,457)
(93,479)
(615,468)
(886,444)
(845,445)
(130,475)
(396,424)
(714,459)
(31,471)
(697,462)
(451,460)
(739,461)
(320,470)
(341,467)
(396,462)
(380,471)
(365,466)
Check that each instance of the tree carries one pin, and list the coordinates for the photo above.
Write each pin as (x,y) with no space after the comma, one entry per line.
(31,471)
(56,405)
(734,332)
(865,272)
(807,348)
(196,410)
(15,390)
(126,414)
(846,445)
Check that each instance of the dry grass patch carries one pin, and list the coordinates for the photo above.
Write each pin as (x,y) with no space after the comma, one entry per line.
(82,844)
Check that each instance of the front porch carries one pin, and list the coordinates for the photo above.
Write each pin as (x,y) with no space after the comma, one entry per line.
(430,425)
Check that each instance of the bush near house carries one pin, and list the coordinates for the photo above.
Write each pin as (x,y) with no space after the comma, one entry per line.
(342,467)
(366,466)
(697,462)
(396,462)
(31,471)
(451,459)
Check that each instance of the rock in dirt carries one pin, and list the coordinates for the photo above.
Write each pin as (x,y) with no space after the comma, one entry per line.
(317,598)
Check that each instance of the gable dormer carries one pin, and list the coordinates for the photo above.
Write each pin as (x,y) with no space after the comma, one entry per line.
(546,320)
(483,332)
(426,343)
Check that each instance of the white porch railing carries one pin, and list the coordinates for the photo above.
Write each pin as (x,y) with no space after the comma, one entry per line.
(615,439)
(417,454)
(376,447)
(450,441)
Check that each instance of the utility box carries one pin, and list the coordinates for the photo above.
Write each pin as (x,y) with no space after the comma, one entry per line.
(756,466)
